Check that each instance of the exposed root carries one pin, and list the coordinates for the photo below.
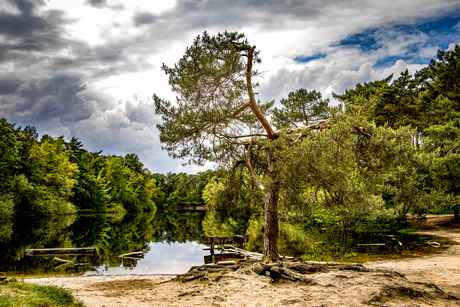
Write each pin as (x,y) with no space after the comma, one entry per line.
(287,269)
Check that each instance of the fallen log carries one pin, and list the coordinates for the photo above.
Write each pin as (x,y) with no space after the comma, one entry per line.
(59,250)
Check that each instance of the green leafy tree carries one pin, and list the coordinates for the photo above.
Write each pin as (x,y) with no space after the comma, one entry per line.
(52,178)
(89,192)
(442,77)
(9,164)
(444,142)
(217,118)
(394,103)
(126,188)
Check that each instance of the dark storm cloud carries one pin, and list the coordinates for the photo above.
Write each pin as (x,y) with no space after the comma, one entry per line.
(97,3)
(144,18)
(59,97)
(27,31)
(9,85)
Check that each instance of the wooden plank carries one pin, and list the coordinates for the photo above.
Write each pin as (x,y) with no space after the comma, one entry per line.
(222,257)
(227,240)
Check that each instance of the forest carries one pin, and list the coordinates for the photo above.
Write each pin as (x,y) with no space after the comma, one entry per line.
(52,176)
(391,147)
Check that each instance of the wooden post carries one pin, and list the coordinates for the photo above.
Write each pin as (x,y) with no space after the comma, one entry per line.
(212,249)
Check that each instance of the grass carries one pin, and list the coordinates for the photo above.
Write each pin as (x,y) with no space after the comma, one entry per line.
(22,294)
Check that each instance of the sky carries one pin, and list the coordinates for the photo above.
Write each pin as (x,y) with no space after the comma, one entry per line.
(89,68)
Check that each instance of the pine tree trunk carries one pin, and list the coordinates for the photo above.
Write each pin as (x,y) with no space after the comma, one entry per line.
(271,213)
(271,227)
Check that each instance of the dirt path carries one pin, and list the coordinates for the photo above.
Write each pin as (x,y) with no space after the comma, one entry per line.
(428,281)
(442,270)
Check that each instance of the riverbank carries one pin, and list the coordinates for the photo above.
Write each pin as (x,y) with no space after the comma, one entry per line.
(428,281)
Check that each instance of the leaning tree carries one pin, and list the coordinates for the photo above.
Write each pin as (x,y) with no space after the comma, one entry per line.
(217,118)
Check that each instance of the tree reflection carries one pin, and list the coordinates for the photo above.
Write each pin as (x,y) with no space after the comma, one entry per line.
(111,234)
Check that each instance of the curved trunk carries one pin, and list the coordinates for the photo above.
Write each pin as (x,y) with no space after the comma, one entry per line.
(271,196)
(252,101)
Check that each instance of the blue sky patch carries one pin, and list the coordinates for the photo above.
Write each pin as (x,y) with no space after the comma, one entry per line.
(439,33)
(309,58)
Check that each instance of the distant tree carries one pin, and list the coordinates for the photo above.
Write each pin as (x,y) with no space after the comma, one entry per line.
(301,108)
(442,76)
(9,150)
(386,102)
(132,161)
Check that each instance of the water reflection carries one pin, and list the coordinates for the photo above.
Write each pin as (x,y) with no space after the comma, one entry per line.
(171,240)
(163,258)
(168,239)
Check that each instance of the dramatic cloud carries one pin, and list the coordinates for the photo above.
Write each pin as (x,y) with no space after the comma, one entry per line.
(87,68)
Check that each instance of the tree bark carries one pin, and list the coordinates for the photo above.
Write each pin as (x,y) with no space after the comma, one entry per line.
(271,212)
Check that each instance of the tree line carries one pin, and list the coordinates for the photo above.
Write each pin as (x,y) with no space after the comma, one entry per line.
(391,146)
(51,176)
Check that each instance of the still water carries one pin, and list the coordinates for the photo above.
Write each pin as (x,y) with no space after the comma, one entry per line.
(171,243)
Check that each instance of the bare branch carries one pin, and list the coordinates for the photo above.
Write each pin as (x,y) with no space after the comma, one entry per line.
(240,109)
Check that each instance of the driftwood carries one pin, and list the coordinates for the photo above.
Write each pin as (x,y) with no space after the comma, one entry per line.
(61,260)
(434,244)
(132,255)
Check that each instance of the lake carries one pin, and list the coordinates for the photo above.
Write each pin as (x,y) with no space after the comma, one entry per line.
(171,243)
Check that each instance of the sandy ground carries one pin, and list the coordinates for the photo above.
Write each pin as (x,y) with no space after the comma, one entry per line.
(428,281)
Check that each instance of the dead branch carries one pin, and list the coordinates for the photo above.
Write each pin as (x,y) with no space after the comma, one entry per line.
(251,170)
(240,109)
